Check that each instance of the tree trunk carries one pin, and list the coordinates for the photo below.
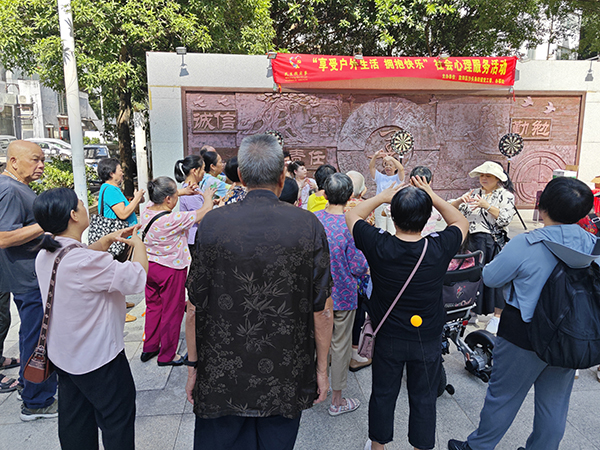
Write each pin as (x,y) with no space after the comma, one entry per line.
(123,132)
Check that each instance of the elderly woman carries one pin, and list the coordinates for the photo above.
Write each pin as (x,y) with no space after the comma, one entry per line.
(347,264)
(214,166)
(85,335)
(111,201)
(393,172)
(489,210)
(169,258)
(391,259)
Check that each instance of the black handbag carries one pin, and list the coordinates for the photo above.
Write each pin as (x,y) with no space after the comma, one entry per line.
(100,226)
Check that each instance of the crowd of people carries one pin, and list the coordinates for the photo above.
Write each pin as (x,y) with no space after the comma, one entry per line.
(280,271)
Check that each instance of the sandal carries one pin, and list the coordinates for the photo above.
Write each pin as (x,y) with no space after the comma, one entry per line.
(8,386)
(176,362)
(351,405)
(14,362)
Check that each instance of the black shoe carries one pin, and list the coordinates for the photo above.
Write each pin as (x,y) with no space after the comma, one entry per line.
(521,448)
(453,444)
(147,356)
(176,362)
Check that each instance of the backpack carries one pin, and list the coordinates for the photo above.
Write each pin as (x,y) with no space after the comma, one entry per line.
(565,329)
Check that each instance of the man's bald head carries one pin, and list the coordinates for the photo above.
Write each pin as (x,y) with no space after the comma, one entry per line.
(25,160)
(18,149)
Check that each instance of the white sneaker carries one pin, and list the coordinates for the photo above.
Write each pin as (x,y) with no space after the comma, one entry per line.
(368,445)
(356,357)
(492,325)
(576,374)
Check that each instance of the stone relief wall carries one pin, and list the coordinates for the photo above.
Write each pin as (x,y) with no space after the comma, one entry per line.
(453,133)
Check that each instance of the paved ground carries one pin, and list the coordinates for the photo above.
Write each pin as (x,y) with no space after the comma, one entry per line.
(165,420)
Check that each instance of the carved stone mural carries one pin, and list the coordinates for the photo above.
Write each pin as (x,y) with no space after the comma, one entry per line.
(452,133)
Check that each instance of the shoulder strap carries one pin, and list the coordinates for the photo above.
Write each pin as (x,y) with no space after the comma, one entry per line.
(154,219)
(403,287)
(101,209)
(50,299)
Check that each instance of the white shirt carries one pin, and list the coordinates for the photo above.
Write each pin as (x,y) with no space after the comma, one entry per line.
(384,181)
(88,314)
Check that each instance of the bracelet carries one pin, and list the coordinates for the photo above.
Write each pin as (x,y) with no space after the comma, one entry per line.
(193,364)
(488,208)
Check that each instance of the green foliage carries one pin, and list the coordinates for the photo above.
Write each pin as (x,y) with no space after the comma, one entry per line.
(112,38)
(418,27)
(59,173)
(87,140)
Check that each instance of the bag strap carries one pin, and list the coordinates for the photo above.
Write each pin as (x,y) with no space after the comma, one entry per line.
(403,287)
(154,219)
(50,300)
(101,210)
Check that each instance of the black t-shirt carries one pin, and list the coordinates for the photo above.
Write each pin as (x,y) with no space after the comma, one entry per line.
(391,261)
(17,263)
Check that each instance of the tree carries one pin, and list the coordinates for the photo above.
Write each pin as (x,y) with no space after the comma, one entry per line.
(111,41)
(407,27)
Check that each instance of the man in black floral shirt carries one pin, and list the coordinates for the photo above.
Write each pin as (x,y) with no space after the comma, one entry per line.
(260,286)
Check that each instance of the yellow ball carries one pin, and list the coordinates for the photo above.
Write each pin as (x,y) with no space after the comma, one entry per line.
(416,321)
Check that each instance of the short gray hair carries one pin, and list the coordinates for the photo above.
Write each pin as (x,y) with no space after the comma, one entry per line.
(260,160)
(338,188)
(160,188)
(358,181)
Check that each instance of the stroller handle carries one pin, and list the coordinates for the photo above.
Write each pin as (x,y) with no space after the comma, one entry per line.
(477,255)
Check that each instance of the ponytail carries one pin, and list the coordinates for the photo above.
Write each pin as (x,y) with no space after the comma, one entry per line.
(184,166)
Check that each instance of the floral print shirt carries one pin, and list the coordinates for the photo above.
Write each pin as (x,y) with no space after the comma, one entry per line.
(481,221)
(259,273)
(167,239)
(347,262)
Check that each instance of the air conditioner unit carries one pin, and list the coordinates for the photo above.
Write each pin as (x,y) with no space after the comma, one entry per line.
(24,100)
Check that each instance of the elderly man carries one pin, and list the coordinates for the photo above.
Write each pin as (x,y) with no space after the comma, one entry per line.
(260,285)
(19,237)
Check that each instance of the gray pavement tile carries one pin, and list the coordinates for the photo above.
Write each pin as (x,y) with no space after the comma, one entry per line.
(148,375)
(185,435)
(157,432)
(588,381)
(583,419)
(41,434)
(11,410)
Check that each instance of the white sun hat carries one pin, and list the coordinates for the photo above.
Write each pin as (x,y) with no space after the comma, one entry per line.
(490,168)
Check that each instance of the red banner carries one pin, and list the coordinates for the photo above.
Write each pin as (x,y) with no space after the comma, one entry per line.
(298,68)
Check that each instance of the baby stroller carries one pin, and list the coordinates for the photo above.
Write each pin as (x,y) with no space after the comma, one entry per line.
(462,285)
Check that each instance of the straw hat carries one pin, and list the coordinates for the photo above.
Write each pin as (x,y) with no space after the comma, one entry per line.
(490,168)
(596,180)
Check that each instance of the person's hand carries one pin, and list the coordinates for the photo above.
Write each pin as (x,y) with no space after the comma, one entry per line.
(421,183)
(387,194)
(139,195)
(208,194)
(190,189)
(122,235)
(466,198)
(322,386)
(478,202)
(189,385)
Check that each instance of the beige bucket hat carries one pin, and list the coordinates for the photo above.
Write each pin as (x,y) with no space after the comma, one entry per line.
(490,168)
